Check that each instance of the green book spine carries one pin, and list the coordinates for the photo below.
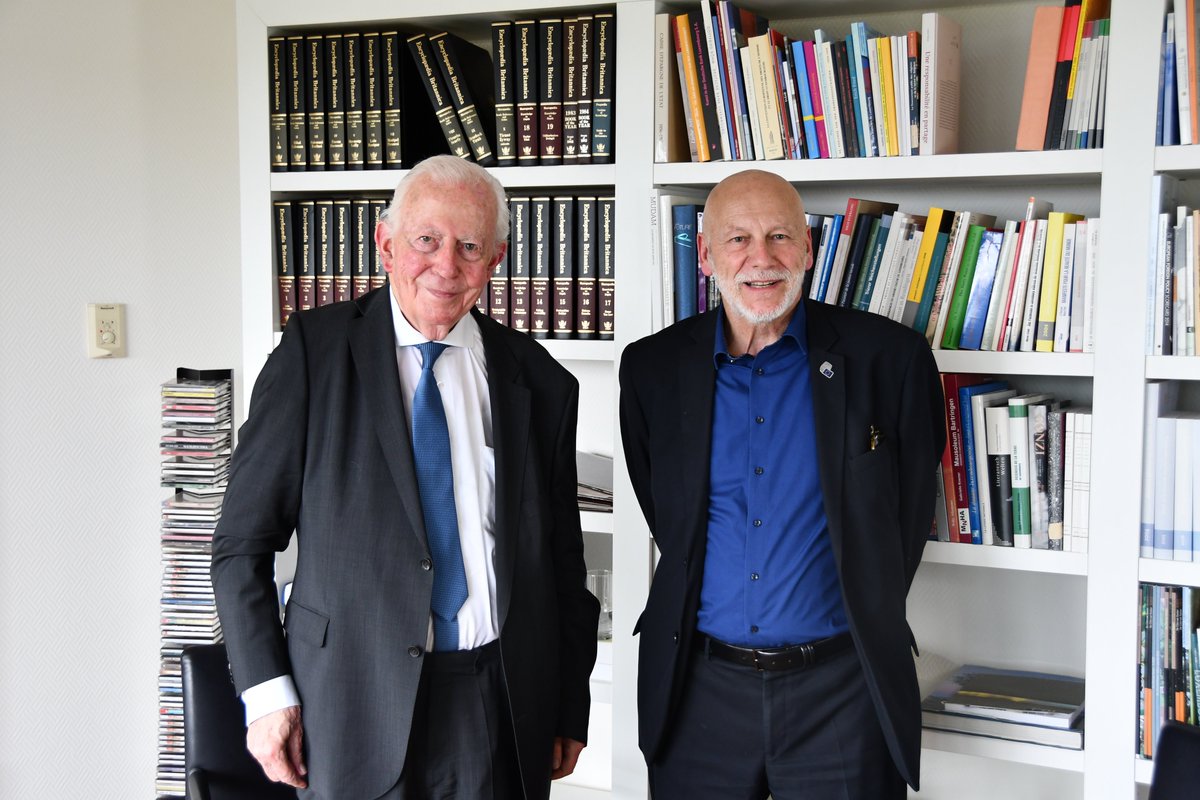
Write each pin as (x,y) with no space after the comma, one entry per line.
(962,289)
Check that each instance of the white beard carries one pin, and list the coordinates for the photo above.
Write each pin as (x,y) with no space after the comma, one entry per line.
(793,285)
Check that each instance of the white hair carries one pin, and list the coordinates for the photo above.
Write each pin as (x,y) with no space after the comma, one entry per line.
(450,171)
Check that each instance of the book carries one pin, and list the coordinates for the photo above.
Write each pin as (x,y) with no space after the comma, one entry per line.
(684,257)
(314,99)
(378,277)
(520,298)
(426,60)
(364,242)
(720,87)
(1039,77)
(586,289)
(938,220)
(285,259)
(550,90)
(1181,526)
(540,302)
(1014,314)
(584,88)
(941,60)
(606,271)
(975,312)
(1023,447)
(324,241)
(974,453)
(525,54)
(372,113)
(335,114)
(467,74)
(1161,399)
(689,82)
(570,90)
(504,88)
(603,69)
(1066,286)
(1056,437)
(343,249)
(1001,287)
(297,122)
(954,463)
(999,474)
(670,127)
(1062,76)
(562,222)
(277,87)
(956,313)
(1048,304)
(352,46)
(1080,491)
(306,264)
(391,100)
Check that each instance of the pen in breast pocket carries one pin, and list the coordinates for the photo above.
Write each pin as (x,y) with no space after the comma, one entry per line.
(876,436)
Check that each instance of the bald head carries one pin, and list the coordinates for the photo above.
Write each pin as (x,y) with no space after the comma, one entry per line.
(780,194)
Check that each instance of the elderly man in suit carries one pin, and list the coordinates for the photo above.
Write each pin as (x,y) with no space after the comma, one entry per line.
(439,635)
(783,452)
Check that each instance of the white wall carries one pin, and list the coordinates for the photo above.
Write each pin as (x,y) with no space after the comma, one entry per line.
(118,183)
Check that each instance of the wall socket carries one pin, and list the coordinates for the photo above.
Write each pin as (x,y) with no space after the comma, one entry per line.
(106,330)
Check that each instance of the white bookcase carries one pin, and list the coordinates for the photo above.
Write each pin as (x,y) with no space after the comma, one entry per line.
(1066,611)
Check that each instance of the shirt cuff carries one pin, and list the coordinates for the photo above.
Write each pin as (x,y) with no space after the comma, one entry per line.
(268,696)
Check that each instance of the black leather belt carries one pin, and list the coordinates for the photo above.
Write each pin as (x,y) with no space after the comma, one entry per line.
(796,656)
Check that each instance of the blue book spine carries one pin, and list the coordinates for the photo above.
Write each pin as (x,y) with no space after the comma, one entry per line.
(968,428)
(981,290)
(683,228)
(723,80)
(861,34)
(874,258)
(921,322)
(1170,124)
(806,107)
(827,265)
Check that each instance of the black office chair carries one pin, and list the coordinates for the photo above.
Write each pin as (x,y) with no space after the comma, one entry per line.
(1176,763)
(217,763)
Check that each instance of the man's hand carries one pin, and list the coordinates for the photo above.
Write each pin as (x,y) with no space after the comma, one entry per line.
(276,742)
(566,755)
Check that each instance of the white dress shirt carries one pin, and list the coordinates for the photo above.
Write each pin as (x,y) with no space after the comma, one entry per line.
(461,373)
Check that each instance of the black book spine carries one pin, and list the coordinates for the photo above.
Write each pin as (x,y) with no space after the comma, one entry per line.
(355,154)
(1000,486)
(854,259)
(586,294)
(525,53)
(604,66)
(845,102)
(550,91)
(335,100)
(518,285)
(314,76)
(325,250)
(306,274)
(297,123)
(498,306)
(378,275)
(443,106)
(570,79)
(389,43)
(562,323)
(466,69)
(343,254)
(540,230)
(277,85)
(373,99)
(583,103)
(505,89)
(360,265)
(708,96)
(606,277)
(285,260)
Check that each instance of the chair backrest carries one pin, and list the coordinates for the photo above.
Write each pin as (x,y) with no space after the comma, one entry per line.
(1176,763)
(218,765)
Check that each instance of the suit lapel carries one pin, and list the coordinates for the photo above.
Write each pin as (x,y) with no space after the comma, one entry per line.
(697,379)
(510,437)
(373,348)
(827,375)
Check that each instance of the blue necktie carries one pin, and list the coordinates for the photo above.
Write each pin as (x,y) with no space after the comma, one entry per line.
(435,480)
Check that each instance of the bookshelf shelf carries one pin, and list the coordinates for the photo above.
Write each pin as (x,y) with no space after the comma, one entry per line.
(993,169)
(1179,160)
(596,522)
(971,555)
(1180,368)
(1019,752)
(598,175)
(1065,364)
(1176,573)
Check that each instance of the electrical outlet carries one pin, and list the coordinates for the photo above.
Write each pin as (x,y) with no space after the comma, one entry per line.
(106,330)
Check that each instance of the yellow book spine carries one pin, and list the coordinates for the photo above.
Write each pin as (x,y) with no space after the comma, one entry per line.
(884,45)
(1048,306)
(687,55)
(933,225)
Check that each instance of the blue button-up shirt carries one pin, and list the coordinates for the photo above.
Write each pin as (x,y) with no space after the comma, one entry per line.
(769,574)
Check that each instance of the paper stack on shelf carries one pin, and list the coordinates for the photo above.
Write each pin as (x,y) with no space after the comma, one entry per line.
(595,481)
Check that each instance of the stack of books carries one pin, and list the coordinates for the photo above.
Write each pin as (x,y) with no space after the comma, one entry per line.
(595,479)
(1178,120)
(1168,672)
(1062,107)
(745,91)
(1036,707)
(197,443)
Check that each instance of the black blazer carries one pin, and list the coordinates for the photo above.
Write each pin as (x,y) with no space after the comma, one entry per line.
(326,451)
(879,502)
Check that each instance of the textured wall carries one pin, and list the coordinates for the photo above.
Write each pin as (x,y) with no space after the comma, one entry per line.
(118,183)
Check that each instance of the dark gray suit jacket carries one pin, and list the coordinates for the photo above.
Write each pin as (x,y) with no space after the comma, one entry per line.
(326,451)
(879,502)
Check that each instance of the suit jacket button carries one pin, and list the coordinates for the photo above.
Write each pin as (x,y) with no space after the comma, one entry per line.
(675,637)
(426,564)
(414,651)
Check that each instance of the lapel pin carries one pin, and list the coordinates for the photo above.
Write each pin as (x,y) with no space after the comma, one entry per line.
(827,369)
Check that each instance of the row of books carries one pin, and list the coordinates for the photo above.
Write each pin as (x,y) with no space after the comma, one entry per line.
(1175,276)
(741,90)
(1062,105)
(1016,471)
(196,443)
(1168,673)
(1178,118)
(1017,705)
(1170,519)
(357,100)
(963,281)
(555,281)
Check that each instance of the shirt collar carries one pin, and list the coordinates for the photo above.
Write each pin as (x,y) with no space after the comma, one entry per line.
(796,331)
(464,334)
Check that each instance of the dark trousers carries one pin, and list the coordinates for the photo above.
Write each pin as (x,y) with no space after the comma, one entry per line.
(800,734)
(461,746)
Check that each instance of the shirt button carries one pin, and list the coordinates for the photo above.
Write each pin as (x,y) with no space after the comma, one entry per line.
(758,470)
(754,629)
(758,523)
(414,651)
(426,564)
(759,420)
(753,576)
(759,371)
